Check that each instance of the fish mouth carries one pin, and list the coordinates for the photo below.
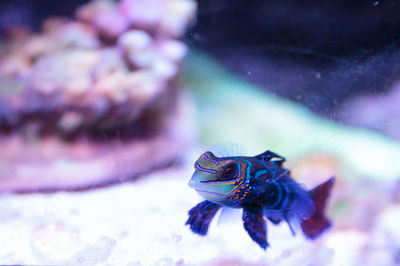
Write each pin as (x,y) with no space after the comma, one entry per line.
(198,179)
(211,193)
(195,183)
(209,188)
(192,183)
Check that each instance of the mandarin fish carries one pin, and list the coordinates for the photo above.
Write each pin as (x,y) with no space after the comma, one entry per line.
(263,189)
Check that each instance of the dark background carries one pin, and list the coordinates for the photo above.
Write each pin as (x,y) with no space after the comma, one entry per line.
(320,53)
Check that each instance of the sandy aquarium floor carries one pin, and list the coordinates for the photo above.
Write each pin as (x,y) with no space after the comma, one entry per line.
(143,223)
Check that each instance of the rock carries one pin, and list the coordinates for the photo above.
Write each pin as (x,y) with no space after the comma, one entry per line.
(99,83)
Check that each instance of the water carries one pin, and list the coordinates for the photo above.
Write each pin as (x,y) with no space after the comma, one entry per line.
(103,116)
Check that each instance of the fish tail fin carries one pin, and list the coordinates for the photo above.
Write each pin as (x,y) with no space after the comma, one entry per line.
(318,223)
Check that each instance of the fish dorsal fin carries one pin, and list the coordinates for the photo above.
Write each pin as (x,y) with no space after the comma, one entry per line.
(228,149)
(270,156)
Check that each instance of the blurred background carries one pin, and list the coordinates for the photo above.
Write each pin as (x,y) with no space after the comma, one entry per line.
(322,53)
(105,105)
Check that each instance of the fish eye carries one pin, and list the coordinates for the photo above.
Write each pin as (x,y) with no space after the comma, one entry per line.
(229,172)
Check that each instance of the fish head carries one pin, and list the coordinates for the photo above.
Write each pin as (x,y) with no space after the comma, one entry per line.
(216,178)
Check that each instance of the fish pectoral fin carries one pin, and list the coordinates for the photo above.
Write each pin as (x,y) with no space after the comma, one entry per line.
(200,216)
(255,226)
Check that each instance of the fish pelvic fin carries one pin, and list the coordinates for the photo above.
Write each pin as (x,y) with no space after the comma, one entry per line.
(255,226)
(318,223)
(201,215)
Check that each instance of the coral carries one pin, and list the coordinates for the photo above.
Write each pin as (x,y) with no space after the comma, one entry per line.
(98,73)
(86,95)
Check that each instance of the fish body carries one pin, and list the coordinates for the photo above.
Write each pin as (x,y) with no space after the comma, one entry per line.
(262,187)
